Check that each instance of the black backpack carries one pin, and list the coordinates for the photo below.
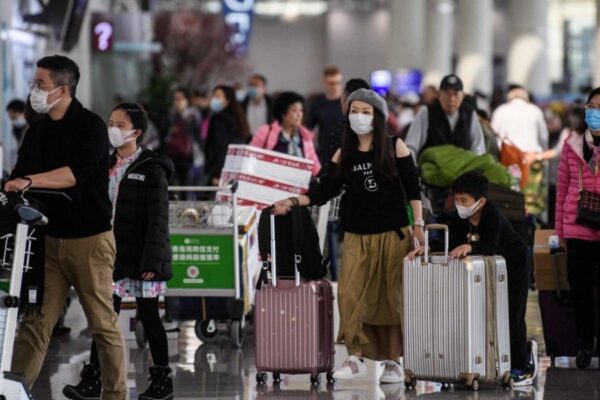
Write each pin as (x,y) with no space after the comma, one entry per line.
(296,235)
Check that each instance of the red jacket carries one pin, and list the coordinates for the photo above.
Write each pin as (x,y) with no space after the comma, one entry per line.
(567,190)
(266,137)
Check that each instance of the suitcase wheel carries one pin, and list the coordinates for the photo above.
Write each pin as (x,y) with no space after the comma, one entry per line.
(276,377)
(261,378)
(410,381)
(473,385)
(315,379)
(508,383)
(330,378)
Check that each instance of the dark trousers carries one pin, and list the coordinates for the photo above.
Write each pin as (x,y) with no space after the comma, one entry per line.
(147,311)
(518,272)
(583,265)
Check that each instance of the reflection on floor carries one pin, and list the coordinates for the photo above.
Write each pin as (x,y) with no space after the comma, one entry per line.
(217,371)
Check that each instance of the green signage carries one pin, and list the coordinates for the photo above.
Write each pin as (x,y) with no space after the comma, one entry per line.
(202,261)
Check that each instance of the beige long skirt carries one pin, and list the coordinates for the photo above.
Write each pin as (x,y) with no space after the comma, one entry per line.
(370,291)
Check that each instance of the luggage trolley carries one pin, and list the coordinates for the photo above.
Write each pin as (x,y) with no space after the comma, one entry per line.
(207,262)
(14,260)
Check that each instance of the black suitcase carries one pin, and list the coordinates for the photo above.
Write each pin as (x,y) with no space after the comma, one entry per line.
(558,320)
(509,202)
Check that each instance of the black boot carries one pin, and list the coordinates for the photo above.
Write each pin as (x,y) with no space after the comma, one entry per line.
(584,359)
(89,388)
(161,385)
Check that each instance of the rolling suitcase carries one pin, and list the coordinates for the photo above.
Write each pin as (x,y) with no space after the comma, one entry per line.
(448,335)
(293,323)
(554,297)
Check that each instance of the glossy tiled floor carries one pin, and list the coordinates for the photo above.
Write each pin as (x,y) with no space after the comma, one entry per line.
(217,371)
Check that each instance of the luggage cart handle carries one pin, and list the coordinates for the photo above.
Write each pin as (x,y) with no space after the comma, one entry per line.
(274,256)
(437,227)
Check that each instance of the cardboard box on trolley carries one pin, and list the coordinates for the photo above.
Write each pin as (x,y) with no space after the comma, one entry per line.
(264,176)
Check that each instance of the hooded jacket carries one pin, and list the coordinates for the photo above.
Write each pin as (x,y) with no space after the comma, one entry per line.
(141,224)
(567,190)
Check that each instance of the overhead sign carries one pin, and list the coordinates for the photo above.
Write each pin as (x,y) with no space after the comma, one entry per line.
(238,14)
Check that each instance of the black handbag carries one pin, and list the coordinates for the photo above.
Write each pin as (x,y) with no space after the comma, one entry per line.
(588,206)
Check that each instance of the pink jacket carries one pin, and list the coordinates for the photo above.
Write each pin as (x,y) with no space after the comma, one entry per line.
(266,137)
(567,190)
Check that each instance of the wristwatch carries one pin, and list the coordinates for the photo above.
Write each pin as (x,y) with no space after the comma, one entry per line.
(420,223)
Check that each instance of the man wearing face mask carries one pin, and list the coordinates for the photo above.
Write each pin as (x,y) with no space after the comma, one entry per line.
(478,228)
(257,104)
(448,120)
(16,113)
(67,149)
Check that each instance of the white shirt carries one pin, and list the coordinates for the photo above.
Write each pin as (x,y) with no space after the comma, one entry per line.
(257,114)
(417,133)
(523,124)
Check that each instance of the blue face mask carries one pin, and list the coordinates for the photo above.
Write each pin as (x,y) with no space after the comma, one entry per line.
(216,105)
(592,119)
(252,92)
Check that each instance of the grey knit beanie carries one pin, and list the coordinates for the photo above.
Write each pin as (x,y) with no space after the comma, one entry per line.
(371,97)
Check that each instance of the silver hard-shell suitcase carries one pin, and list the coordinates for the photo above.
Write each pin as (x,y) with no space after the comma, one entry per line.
(446,338)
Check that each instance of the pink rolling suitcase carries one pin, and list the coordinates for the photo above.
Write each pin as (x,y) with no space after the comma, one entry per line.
(293,323)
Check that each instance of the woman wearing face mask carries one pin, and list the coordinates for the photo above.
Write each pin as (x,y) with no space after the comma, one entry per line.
(579,169)
(228,125)
(374,169)
(286,134)
(138,183)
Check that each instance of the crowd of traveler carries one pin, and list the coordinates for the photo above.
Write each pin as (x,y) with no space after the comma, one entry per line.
(111,240)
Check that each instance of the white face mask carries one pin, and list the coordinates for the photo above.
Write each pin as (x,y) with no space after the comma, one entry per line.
(361,124)
(118,137)
(39,100)
(466,212)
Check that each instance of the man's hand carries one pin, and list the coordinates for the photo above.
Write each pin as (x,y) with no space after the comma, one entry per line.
(16,185)
(461,251)
(148,275)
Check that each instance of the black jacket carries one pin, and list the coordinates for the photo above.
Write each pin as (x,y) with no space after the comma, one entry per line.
(222,132)
(496,236)
(439,132)
(78,141)
(141,224)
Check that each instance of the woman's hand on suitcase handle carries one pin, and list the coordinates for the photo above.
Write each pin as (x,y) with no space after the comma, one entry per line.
(282,207)
(416,253)
(461,251)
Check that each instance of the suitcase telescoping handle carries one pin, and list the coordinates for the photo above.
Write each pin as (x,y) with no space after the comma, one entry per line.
(436,227)
(274,257)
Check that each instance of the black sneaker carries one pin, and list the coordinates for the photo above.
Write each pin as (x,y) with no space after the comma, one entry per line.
(522,378)
(161,385)
(583,359)
(89,388)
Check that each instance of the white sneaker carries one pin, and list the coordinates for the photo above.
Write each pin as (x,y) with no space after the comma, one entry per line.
(352,368)
(533,350)
(392,373)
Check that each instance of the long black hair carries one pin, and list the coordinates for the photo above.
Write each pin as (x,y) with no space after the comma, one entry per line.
(234,109)
(584,126)
(383,152)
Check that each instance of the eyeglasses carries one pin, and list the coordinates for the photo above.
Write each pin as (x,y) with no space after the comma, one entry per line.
(592,106)
(34,85)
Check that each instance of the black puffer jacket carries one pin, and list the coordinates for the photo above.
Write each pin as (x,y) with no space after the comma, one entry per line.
(141,224)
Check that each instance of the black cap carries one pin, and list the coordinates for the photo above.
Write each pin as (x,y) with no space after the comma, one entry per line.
(451,82)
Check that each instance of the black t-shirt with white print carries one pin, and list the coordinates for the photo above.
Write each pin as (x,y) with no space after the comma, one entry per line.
(371,204)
